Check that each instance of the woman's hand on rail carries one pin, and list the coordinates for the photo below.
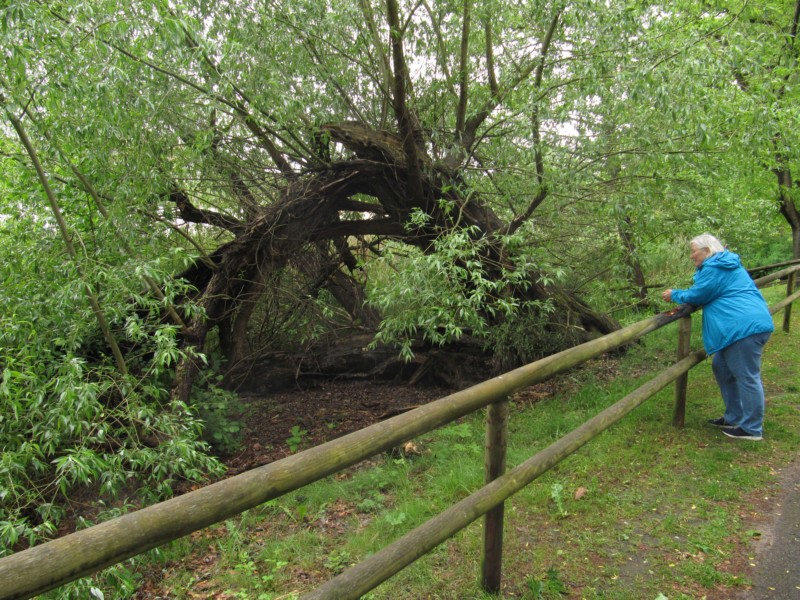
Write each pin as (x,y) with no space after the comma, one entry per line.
(667,295)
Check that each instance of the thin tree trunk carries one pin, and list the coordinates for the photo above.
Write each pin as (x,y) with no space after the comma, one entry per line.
(151,283)
(246,302)
(636,273)
(65,236)
(788,208)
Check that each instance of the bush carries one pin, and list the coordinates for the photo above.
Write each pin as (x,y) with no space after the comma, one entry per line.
(68,417)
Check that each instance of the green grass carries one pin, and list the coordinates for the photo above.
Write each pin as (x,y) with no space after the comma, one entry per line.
(643,511)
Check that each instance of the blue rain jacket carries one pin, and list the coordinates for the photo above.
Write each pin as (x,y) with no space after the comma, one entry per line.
(733,307)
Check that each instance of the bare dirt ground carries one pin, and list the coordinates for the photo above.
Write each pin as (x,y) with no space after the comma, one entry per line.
(321,413)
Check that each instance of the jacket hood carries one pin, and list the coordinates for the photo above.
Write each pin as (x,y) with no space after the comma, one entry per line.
(723,260)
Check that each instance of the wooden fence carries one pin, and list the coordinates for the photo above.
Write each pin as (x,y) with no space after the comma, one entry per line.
(52,564)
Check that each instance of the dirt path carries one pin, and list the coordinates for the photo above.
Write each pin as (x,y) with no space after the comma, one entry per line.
(776,574)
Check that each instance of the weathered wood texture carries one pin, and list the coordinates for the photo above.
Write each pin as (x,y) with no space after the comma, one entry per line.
(787,314)
(495,466)
(765,268)
(682,382)
(762,281)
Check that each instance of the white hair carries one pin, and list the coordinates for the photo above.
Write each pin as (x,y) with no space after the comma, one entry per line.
(706,241)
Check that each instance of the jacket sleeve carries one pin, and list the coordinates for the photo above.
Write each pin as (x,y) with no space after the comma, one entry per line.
(706,288)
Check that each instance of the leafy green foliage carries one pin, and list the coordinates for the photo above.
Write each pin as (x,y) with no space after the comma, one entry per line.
(68,418)
(215,407)
(549,586)
(557,496)
(296,438)
(442,294)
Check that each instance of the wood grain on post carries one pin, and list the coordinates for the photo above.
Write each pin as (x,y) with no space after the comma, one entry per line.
(495,466)
(682,382)
(787,314)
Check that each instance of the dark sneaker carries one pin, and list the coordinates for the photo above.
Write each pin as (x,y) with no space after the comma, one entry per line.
(740,434)
(721,423)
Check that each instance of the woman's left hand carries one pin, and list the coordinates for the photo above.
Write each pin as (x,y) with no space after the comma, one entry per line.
(667,295)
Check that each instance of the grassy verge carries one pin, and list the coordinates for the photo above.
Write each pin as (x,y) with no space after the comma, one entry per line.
(643,511)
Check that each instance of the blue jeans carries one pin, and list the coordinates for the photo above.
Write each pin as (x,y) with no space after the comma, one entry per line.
(737,370)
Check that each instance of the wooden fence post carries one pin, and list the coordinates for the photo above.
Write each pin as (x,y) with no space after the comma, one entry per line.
(787,312)
(681,383)
(494,467)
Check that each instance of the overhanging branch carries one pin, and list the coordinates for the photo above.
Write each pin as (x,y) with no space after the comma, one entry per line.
(190,213)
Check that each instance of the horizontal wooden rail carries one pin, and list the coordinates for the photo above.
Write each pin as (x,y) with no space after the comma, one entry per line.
(774,265)
(784,303)
(762,281)
(377,568)
(54,563)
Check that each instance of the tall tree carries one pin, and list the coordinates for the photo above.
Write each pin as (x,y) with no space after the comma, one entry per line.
(740,67)
(278,166)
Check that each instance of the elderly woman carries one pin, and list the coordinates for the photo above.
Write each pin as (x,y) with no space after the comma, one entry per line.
(736,325)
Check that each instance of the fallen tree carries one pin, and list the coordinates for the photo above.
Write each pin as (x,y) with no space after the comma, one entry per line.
(359,185)
(309,214)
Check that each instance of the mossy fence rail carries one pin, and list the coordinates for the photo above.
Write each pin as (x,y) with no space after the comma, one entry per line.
(54,563)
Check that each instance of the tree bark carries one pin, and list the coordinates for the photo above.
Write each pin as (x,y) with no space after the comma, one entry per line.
(788,208)
(397,171)
(636,273)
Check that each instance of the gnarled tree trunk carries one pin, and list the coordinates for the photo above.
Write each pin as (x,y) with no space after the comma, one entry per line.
(381,180)
(308,213)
